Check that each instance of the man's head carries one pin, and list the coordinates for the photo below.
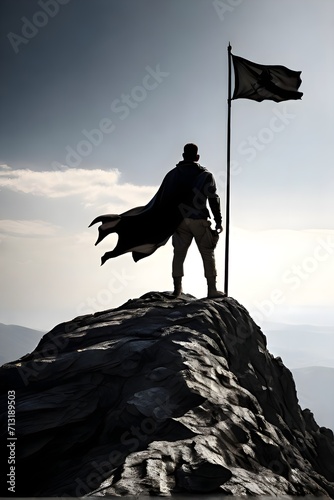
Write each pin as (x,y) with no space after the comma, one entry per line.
(190,152)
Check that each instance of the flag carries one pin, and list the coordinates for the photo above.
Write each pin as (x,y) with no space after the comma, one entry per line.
(258,82)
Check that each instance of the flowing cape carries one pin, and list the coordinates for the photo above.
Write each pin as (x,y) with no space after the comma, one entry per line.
(142,230)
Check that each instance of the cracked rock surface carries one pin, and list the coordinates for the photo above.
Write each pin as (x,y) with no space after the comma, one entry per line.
(162,397)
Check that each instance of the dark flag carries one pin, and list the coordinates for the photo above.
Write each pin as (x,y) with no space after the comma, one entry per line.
(258,82)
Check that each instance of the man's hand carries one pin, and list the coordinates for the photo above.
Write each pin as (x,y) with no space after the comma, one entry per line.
(219,228)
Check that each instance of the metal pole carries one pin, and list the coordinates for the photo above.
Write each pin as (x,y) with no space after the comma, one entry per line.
(228,174)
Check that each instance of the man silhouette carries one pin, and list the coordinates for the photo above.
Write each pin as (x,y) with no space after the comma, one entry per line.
(178,209)
(199,187)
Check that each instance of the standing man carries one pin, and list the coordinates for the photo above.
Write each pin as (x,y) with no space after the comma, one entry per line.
(178,209)
(199,187)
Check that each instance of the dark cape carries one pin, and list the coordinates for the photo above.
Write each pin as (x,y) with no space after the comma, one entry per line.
(142,230)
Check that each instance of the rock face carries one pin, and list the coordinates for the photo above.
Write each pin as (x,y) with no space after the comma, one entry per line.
(162,397)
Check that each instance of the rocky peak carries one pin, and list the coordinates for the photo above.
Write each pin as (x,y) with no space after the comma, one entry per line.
(159,397)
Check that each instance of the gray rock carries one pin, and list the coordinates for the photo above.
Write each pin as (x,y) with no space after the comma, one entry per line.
(163,397)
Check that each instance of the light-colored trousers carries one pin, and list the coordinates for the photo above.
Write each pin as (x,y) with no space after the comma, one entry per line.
(182,238)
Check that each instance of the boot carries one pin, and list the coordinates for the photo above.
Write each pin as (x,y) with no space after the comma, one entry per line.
(212,288)
(177,286)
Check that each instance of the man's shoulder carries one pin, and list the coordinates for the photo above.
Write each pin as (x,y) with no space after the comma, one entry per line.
(206,173)
(187,165)
(187,169)
(204,169)
(171,173)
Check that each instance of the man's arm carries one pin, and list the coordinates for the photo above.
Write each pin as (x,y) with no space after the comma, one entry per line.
(214,203)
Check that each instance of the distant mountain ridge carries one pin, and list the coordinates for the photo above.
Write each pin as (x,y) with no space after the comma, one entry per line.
(301,346)
(308,351)
(16,341)
(315,390)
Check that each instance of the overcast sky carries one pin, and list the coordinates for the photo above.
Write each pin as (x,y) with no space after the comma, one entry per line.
(98,98)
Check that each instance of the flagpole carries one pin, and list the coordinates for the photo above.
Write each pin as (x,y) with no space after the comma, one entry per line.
(228,174)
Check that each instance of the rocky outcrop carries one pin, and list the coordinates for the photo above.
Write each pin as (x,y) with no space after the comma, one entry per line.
(161,397)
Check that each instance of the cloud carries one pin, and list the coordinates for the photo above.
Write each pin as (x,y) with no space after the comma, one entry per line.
(92,186)
(27,227)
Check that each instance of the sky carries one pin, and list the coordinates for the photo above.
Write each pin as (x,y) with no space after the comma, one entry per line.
(98,98)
